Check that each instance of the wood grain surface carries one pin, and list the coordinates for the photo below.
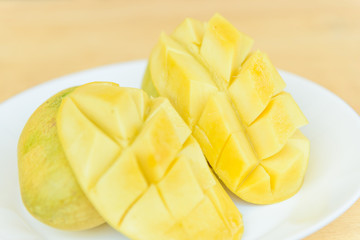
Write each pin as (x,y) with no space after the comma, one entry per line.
(316,39)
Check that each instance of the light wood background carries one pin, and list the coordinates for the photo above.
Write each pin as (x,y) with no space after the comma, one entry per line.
(317,39)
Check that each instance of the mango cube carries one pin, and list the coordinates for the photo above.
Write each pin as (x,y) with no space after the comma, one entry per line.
(113,190)
(237,160)
(275,125)
(219,120)
(190,33)
(185,78)
(224,47)
(253,87)
(171,191)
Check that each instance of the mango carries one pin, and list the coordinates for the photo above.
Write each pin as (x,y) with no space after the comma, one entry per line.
(234,102)
(136,161)
(49,189)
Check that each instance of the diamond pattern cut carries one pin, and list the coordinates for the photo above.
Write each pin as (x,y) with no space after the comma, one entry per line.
(245,118)
(137,162)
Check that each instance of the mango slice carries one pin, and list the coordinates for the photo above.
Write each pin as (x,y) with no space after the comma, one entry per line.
(137,162)
(234,102)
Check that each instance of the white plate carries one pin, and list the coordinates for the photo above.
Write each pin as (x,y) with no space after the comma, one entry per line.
(331,186)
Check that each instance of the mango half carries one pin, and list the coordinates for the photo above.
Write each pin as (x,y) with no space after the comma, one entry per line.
(233,101)
(137,162)
(49,189)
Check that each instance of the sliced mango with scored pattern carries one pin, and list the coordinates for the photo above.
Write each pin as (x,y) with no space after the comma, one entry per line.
(146,176)
(236,107)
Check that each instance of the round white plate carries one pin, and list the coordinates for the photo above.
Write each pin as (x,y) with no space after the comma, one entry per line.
(332,182)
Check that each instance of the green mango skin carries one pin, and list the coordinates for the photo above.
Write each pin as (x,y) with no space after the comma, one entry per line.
(48,186)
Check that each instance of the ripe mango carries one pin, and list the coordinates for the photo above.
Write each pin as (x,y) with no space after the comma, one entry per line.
(137,162)
(234,102)
(48,186)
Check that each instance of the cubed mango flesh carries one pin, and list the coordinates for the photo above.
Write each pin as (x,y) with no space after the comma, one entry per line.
(147,177)
(234,102)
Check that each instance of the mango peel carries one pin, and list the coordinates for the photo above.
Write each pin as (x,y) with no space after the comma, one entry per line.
(49,189)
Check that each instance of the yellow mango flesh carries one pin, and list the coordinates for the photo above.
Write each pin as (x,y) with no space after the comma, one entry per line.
(150,181)
(190,33)
(238,110)
(224,47)
(48,186)
(251,90)
(278,174)
(275,125)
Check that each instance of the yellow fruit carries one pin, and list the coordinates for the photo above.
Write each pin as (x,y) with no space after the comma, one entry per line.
(48,187)
(234,103)
(137,162)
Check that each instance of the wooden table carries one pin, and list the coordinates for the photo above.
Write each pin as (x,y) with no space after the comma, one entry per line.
(317,39)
